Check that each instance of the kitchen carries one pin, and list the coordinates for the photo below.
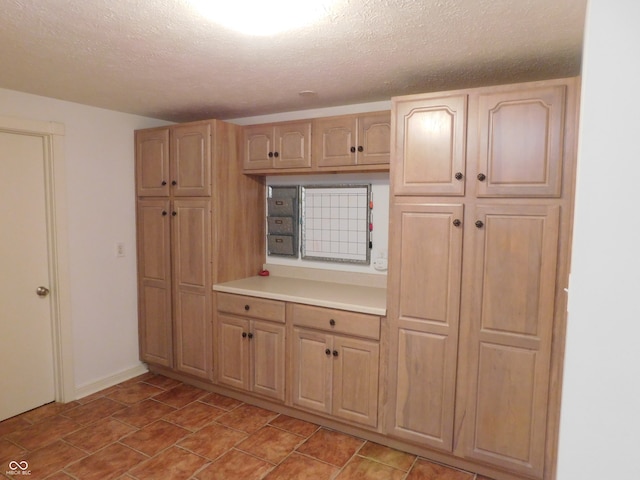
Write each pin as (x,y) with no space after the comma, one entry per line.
(99,163)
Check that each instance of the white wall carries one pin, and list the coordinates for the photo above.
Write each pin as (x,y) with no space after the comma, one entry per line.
(600,420)
(99,155)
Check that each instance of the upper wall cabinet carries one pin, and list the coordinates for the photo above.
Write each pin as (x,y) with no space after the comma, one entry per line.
(520,143)
(352,140)
(430,141)
(174,161)
(275,146)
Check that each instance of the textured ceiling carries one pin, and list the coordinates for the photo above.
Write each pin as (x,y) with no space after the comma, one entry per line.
(159,59)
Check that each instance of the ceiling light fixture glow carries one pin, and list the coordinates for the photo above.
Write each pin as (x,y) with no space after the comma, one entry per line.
(263,17)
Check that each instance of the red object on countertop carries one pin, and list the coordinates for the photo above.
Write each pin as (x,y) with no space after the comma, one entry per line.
(263,273)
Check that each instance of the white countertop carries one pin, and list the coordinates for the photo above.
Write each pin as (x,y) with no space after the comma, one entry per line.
(356,298)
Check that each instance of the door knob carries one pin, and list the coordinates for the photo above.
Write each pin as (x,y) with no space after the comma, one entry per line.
(42,291)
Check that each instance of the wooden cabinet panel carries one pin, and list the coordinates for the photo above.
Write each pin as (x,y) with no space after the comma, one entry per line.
(336,321)
(424,296)
(521,142)
(355,380)
(154,286)
(231,353)
(191,160)
(267,359)
(430,145)
(275,146)
(351,140)
(261,308)
(511,311)
(191,240)
(152,162)
(312,370)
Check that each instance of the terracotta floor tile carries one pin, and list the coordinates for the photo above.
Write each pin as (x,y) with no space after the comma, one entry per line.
(161,381)
(247,418)
(9,451)
(13,424)
(360,468)
(48,410)
(134,393)
(99,435)
(235,464)
(181,395)
(93,411)
(60,476)
(270,444)
(97,395)
(48,460)
(194,416)
(108,463)
(143,413)
(425,470)
(481,477)
(388,456)
(220,401)
(301,467)
(43,433)
(155,437)
(174,463)
(293,425)
(212,441)
(332,447)
(140,378)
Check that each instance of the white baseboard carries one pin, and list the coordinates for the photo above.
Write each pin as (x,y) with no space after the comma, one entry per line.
(111,380)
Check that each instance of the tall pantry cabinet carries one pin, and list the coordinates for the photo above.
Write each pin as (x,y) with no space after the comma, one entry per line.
(481,198)
(194,209)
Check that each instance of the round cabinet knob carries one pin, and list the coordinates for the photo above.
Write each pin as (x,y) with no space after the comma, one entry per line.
(250,336)
(247,307)
(163,183)
(270,154)
(457,223)
(42,291)
(459,175)
(244,334)
(482,177)
(335,353)
(174,183)
(164,213)
(360,149)
(276,154)
(327,352)
(479,224)
(353,149)
(174,213)
(332,322)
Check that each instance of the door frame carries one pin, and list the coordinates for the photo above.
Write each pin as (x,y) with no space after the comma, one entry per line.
(52,134)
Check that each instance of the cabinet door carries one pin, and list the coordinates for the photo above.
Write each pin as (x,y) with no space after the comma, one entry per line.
(267,359)
(355,380)
(191,235)
(521,143)
(293,145)
(334,141)
(425,282)
(510,306)
(430,143)
(232,352)
(154,282)
(312,369)
(374,139)
(258,144)
(152,162)
(191,160)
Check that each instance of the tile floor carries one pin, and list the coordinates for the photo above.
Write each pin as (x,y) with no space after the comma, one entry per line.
(154,427)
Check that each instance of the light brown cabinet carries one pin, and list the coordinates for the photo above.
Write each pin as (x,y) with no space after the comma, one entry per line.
(336,374)
(480,227)
(251,348)
(352,140)
(184,175)
(277,146)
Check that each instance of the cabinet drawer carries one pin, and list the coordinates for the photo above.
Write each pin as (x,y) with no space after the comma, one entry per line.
(281,206)
(251,307)
(282,245)
(282,225)
(337,321)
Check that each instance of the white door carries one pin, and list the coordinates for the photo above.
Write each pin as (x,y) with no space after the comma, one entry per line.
(26,347)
